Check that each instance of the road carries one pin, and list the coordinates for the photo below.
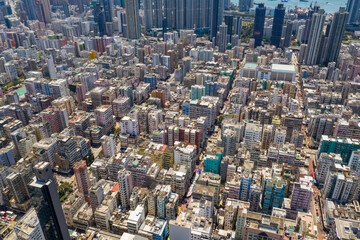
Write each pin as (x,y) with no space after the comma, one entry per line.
(315,206)
(96,151)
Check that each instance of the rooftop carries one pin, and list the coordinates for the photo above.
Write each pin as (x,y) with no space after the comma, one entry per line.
(283,68)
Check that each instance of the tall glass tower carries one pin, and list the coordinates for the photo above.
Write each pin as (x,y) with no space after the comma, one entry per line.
(259,24)
(47,204)
(277,25)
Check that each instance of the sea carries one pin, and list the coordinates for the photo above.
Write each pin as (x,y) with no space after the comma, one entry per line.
(330,6)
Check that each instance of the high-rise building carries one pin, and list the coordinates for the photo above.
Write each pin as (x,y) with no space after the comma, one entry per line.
(212,162)
(237,26)
(334,39)
(279,136)
(288,33)
(47,204)
(315,33)
(152,79)
(108,10)
(153,11)
(132,19)
(51,67)
(108,146)
(30,8)
(104,117)
(99,17)
(7,156)
(17,187)
(229,22)
(354,162)
(67,148)
(222,37)
(44,11)
(341,184)
(277,25)
(38,10)
(245,185)
(302,193)
(179,14)
(202,17)
(189,14)
(129,126)
(229,142)
(29,227)
(342,146)
(125,186)
(96,194)
(216,14)
(82,177)
(255,196)
(259,23)
(273,195)
(353,8)
(197,91)
(169,13)
(148,14)
(57,118)
(252,135)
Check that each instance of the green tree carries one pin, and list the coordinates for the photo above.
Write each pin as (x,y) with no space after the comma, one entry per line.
(64,190)
(247,32)
(117,132)
(89,158)
(266,40)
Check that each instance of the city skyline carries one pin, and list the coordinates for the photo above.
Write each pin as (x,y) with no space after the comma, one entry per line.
(179,119)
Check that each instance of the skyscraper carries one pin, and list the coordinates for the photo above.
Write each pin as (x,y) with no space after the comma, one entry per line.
(82,177)
(148,14)
(189,14)
(99,17)
(237,27)
(333,42)
(47,203)
(229,22)
(44,11)
(30,9)
(201,11)
(66,8)
(179,14)
(353,8)
(216,14)
(108,9)
(288,33)
(158,13)
(132,19)
(169,12)
(259,23)
(277,25)
(153,11)
(222,38)
(38,10)
(315,33)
